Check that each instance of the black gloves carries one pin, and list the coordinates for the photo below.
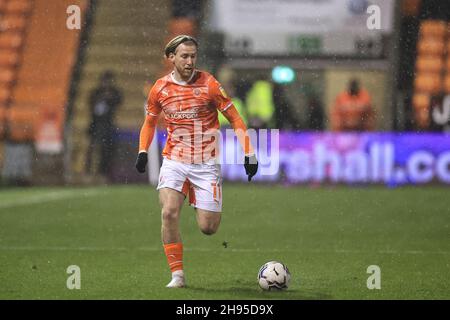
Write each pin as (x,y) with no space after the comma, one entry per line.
(141,162)
(251,166)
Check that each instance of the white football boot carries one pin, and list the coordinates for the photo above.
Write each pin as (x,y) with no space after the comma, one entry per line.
(177,280)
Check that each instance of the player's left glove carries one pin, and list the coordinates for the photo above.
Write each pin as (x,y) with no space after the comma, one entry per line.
(141,162)
(251,166)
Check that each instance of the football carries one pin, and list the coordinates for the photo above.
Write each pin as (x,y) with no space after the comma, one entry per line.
(274,275)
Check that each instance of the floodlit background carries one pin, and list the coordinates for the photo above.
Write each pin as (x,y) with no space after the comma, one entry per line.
(286,64)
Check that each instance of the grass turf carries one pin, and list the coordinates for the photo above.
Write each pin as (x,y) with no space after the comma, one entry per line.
(327,237)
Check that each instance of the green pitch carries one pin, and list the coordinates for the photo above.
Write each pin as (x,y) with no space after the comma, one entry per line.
(327,237)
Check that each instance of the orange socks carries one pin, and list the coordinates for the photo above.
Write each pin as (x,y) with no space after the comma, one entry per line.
(174,254)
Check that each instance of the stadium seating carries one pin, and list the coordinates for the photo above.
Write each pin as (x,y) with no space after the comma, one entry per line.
(2,117)
(411,7)
(428,83)
(433,29)
(30,47)
(421,100)
(10,40)
(13,23)
(182,26)
(8,58)
(18,6)
(421,103)
(422,117)
(125,40)
(47,48)
(13,27)
(432,63)
(6,76)
(4,96)
(22,122)
(431,46)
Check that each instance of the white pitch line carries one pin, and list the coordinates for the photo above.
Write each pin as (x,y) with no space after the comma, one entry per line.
(124,249)
(46,197)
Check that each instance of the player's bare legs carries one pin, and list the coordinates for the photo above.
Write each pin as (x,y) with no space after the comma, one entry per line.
(208,221)
(171,203)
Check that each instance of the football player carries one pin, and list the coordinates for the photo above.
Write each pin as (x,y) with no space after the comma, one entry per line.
(190,100)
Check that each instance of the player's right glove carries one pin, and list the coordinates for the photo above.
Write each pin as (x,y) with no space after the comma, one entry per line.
(251,166)
(141,162)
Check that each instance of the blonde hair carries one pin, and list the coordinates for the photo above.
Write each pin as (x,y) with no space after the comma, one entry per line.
(173,44)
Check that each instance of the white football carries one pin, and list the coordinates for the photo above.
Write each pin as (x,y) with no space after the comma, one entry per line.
(274,275)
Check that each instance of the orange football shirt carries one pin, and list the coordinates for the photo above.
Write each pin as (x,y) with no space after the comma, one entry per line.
(191,114)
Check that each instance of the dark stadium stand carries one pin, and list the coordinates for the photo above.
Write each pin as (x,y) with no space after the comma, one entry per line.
(127,41)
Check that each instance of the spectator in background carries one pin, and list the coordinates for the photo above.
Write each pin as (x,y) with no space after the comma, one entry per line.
(228,80)
(260,105)
(352,110)
(284,117)
(315,115)
(440,113)
(103,103)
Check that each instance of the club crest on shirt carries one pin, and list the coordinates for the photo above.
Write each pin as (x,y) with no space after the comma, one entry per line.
(197,92)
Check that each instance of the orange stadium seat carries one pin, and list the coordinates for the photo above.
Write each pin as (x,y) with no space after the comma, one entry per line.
(12,22)
(18,6)
(22,121)
(433,29)
(10,40)
(422,116)
(6,76)
(49,94)
(182,26)
(431,46)
(421,100)
(428,83)
(4,96)
(429,64)
(8,58)
(411,7)
(421,104)
(2,5)
(2,120)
